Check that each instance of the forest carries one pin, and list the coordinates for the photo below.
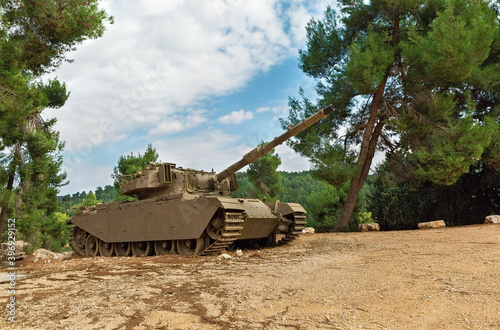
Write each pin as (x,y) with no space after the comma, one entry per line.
(417,80)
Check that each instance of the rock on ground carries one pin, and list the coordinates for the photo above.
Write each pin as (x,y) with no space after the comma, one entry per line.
(492,219)
(46,254)
(369,227)
(431,224)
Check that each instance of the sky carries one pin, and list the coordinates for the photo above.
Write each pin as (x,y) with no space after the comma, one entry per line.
(203,81)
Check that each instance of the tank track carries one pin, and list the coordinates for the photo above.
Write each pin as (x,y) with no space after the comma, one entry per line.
(233,225)
(295,229)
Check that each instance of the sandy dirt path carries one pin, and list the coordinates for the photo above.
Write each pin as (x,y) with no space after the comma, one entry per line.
(422,279)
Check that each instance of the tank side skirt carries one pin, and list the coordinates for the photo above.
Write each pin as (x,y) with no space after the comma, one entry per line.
(150,221)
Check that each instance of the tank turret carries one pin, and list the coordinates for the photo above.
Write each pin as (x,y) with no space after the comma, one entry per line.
(165,179)
(188,212)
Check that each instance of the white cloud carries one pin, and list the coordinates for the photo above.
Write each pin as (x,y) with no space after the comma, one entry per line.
(162,59)
(202,150)
(263,109)
(236,117)
(215,149)
(176,123)
(291,161)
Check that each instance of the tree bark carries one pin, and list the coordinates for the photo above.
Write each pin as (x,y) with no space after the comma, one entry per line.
(10,184)
(5,205)
(357,182)
(371,134)
(367,151)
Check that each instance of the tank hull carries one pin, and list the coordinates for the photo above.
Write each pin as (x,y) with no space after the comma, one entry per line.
(173,220)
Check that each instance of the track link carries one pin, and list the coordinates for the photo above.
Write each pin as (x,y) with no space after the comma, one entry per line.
(233,225)
(299,223)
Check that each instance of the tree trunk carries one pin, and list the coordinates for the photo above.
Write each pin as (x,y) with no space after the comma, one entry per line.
(367,151)
(5,205)
(358,180)
(16,156)
(368,144)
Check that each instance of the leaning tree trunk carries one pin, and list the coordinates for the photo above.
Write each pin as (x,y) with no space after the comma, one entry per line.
(358,180)
(371,134)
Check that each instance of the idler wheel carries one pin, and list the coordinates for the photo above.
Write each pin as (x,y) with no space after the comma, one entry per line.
(189,247)
(216,227)
(141,249)
(164,247)
(78,240)
(122,249)
(92,246)
(106,249)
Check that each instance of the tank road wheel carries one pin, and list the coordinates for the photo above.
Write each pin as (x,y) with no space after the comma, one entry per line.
(189,247)
(141,249)
(216,226)
(78,238)
(122,249)
(164,247)
(269,241)
(106,249)
(92,246)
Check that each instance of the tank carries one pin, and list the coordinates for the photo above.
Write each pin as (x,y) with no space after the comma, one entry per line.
(188,212)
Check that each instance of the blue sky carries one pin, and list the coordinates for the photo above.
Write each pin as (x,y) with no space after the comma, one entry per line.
(204,82)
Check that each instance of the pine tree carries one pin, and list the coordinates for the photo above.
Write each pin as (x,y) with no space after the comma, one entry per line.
(264,177)
(131,164)
(403,77)
(35,36)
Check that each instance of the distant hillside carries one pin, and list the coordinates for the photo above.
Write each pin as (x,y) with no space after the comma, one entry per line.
(297,187)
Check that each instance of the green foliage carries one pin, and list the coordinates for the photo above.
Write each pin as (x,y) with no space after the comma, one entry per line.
(244,186)
(70,204)
(368,61)
(297,187)
(41,32)
(131,164)
(416,78)
(451,151)
(106,195)
(35,36)
(91,200)
(263,176)
(55,233)
(365,217)
(326,204)
(397,204)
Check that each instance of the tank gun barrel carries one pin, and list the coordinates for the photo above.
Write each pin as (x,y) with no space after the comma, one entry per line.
(260,151)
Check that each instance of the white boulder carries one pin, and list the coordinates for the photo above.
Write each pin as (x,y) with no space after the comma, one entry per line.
(46,254)
(369,227)
(492,219)
(431,224)
(308,230)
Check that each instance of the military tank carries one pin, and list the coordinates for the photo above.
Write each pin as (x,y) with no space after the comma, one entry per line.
(187,211)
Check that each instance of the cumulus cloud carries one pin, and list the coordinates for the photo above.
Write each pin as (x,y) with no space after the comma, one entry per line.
(235,117)
(175,124)
(161,59)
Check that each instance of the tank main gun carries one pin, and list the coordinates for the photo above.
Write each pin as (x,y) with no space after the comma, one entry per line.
(188,211)
(261,150)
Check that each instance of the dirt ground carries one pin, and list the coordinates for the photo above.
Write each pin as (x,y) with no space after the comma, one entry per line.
(422,279)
